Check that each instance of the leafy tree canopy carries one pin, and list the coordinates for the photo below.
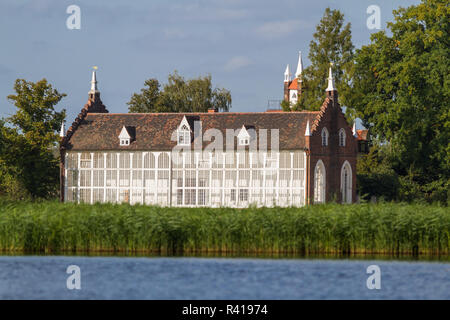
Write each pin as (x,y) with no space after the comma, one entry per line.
(332,43)
(401,85)
(180,95)
(29,137)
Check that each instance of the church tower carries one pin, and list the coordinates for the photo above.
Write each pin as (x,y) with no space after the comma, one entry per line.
(293,88)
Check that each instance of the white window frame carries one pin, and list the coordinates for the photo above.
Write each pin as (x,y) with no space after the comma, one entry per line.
(346,184)
(124,142)
(324,135)
(342,137)
(244,141)
(185,134)
(320,185)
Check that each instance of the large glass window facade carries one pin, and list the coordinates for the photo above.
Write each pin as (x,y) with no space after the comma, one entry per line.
(230,179)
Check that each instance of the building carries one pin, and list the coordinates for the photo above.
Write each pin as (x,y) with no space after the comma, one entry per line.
(209,159)
(362,136)
(293,88)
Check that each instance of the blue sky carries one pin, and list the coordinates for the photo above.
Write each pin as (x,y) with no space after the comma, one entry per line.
(244,45)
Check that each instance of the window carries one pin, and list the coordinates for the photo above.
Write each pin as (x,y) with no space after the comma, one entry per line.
(124,137)
(319,182)
(184,136)
(243,195)
(342,138)
(243,137)
(244,141)
(233,195)
(324,137)
(346,183)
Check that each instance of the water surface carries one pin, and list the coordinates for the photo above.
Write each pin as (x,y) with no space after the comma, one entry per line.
(44,277)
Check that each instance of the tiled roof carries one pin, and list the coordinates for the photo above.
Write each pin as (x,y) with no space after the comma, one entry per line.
(153,131)
(362,134)
(294,84)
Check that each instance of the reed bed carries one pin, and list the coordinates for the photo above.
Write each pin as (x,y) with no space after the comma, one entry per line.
(388,228)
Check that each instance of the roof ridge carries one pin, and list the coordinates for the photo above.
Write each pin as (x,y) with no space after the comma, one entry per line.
(204,113)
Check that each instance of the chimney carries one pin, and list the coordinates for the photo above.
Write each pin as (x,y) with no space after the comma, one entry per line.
(213,110)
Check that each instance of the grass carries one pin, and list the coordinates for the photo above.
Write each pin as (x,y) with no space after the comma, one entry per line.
(387,228)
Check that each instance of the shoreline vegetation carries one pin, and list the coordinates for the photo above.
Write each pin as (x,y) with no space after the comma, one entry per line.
(50,227)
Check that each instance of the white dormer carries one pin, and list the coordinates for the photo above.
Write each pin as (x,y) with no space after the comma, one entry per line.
(243,137)
(124,137)
(184,133)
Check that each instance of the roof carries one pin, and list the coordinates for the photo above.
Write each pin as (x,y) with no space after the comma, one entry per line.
(153,131)
(294,84)
(362,134)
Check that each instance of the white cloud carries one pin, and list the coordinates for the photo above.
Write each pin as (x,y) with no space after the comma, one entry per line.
(276,29)
(237,63)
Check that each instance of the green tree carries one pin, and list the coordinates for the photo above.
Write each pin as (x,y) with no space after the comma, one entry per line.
(147,101)
(375,177)
(180,95)
(29,137)
(401,84)
(332,43)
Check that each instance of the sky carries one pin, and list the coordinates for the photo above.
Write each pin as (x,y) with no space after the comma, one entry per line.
(243,44)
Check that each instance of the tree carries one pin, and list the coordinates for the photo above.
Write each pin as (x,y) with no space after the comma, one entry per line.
(180,95)
(29,137)
(147,100)
(402,88)
(332,44)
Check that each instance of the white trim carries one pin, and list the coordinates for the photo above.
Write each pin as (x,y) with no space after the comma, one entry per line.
(346,188)
(327,135)
(342,132)
(319,194)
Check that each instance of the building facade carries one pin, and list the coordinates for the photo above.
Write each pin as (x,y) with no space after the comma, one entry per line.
(209,159)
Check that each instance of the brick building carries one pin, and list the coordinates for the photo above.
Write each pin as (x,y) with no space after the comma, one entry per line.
(209,159)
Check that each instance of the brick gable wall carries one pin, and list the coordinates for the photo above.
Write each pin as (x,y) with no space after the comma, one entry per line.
(333,156)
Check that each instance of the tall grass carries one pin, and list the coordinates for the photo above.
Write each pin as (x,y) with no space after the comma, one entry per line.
(365,228)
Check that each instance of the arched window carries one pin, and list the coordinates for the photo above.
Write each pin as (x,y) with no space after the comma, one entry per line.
(324,137)
(319,182)
(342,138)
(346,183)
(184,136)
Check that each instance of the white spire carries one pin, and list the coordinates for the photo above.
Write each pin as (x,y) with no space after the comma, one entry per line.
(94,82)
(299,71)
(287,74)
(307,131)
(354,129)
(63,130)
(331,86)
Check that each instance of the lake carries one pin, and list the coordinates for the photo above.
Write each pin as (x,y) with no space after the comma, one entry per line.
(45,277)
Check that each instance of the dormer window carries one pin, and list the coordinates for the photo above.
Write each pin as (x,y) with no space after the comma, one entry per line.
(243,137)
(342,137)
(244,142)
(124,137)
(184,136)
(324,137)
(184,133)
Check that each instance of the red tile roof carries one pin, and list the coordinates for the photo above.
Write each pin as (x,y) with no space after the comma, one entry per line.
(362,134)
(100,131)
(294,84)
